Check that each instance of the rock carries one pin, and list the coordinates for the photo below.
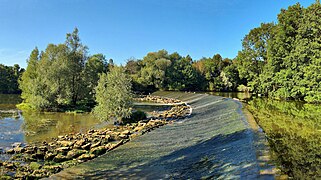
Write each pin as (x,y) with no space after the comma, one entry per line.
(53,169)
(95,145)
(75,153)
(60,158)
(31,149)
(86,157)
(10,151)
(123,136)
(19,150)
(62,150)
(126,132)
(141,124)
(98,150)
(115,145)
(86,146)
(29,158)
(65,143)
(90,131)
(43,148)
(79,143)
(9,165)
(132,136)
(22,175)
(49,156)
(39,173)
(52,144)
(139,128)
(16,144)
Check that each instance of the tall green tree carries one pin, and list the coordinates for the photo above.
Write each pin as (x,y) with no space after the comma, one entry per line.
(95,65)
(77,57)
(113,95)
(253,56)
(61,76)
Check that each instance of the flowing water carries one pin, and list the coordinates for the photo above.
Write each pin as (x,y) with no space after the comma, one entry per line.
(215,142)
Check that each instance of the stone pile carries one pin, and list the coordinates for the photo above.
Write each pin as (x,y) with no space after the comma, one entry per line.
(158,99)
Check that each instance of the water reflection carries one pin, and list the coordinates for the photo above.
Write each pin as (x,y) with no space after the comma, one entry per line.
(44,126)
(294,134)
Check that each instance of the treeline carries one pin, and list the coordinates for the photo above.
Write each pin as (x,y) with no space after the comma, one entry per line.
(280,60)
(163,71)
(283,60)
(9,76)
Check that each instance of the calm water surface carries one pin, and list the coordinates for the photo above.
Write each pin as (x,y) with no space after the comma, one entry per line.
(294,133)
(30,127)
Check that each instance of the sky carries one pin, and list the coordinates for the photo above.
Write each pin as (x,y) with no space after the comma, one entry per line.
(123,29)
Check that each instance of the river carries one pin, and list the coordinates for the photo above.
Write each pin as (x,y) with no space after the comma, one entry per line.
(293,129)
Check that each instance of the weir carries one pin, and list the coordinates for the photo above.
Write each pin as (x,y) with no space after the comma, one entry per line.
(214,142)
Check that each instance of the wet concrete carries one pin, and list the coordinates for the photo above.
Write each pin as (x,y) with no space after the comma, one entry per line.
(216,142)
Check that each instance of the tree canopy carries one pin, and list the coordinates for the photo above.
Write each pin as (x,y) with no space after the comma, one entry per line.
(114,96)
(61,76)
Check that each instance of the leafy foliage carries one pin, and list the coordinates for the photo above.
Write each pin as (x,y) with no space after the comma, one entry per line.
(61,76)
(9,76)
(113,95)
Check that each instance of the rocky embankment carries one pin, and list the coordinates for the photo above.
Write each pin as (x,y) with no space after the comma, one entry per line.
(179,109)
(47,158)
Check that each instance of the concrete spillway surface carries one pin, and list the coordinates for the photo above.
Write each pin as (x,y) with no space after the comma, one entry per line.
(215,142)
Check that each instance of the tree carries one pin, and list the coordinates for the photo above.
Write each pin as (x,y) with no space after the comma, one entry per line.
(95,65)
(9,76)
(77,57)
(182,75)
(251,59)
(113,95)
(61,77)
(153,70)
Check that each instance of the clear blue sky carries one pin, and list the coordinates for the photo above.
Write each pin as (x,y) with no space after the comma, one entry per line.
(121,29)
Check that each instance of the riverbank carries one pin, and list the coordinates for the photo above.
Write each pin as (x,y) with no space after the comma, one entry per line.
(214,142)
